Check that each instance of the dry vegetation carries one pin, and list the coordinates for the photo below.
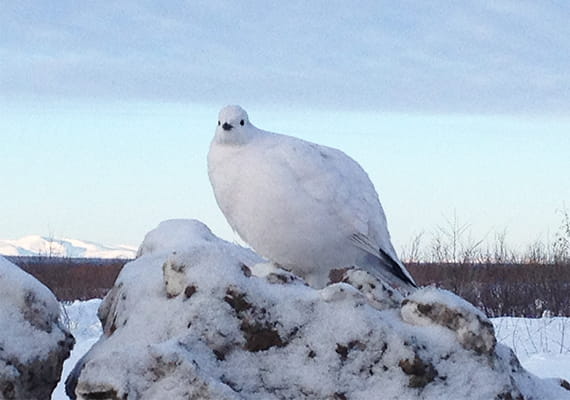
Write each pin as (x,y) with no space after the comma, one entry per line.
(502,282)
(73,278)
(522,290)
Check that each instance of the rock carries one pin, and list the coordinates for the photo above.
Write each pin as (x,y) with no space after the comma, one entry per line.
(210,320)
(33,341)
(421,373)
(377,293)
(175,234)
(429,306)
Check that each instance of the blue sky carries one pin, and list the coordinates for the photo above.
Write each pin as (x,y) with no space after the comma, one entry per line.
(107,108)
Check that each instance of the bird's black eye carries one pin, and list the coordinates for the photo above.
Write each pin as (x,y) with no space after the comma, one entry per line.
(219,123)
(241,122)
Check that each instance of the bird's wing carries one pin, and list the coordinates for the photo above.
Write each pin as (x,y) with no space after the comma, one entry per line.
(330,177)
(392,265)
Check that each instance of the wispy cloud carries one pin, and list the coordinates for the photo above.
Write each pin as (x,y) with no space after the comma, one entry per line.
(411,56)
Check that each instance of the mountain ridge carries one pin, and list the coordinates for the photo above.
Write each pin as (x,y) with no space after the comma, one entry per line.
(37,245)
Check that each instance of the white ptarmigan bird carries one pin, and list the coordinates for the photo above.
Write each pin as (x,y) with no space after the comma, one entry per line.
(305,207)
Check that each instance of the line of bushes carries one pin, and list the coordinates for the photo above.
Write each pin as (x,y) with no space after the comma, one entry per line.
(522,290)
(529,290)
(73,278)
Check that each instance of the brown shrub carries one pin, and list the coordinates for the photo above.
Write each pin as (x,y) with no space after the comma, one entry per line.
(526,290)
(523,289)
(73,278)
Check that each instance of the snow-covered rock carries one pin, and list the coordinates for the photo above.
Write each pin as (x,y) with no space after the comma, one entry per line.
(431,306)
(33,341)
(207,319)
(175,235)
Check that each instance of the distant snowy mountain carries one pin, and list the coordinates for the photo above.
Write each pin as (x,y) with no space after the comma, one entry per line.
(35,245)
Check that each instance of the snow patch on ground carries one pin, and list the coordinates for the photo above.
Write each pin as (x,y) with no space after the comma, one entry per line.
(84,325)
(541,344)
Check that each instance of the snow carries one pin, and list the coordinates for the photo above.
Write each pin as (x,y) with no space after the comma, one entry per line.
(86,328)
(470,326)
(21,292)
(180,313)
(175,235)
(35,245)
(33,340)
(537,342)
(196,321)
(263,181)
(548,365)
(541,344)
(431,295)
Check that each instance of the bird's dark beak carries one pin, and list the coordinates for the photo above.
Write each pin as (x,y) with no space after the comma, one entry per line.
(227,127)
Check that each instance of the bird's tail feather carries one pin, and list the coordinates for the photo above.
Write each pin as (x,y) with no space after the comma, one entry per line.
(393,266)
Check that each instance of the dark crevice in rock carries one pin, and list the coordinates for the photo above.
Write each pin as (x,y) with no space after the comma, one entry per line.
(342,351)
(234,386)
(281,278)
(259,333)
(260,336)
(356,345)
(189,291)
(237,300)
(246,270)
(337,275)
(8,391)
(106,395)
(421,372)
(222,352)
(509,396)
(220,355)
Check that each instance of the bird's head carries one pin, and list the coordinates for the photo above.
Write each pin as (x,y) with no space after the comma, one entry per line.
(233,126)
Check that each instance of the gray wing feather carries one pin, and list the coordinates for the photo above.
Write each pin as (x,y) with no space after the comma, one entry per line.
(393,266)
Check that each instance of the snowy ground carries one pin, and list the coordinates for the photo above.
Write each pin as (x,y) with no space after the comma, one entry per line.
(86,328)
(542,345)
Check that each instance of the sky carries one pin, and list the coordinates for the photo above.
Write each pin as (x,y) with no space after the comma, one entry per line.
(453,108)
